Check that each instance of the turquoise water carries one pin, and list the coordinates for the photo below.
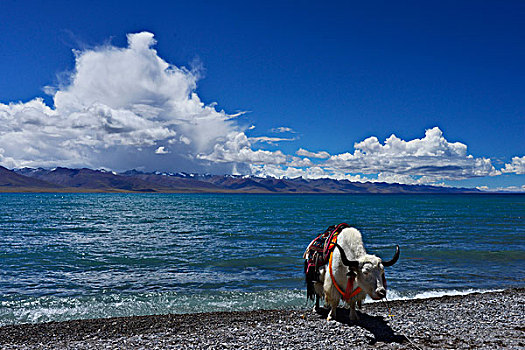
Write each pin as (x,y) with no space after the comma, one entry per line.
(69,256)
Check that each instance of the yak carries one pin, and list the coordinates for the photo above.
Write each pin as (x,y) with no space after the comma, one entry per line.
(350,274)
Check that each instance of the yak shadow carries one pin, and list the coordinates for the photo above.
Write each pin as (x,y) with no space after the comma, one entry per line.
(374,324)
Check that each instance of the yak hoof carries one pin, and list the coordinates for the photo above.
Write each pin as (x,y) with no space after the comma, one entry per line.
(331,315)
(353,315)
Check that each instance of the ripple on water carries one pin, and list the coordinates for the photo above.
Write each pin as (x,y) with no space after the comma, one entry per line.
(97,255)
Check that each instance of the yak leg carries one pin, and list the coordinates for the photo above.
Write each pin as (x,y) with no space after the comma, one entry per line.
(352,314)
(332,313)
(331,297)
(316,306)
(333,307)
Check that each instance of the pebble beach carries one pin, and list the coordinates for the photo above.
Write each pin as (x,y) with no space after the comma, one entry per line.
(491,320)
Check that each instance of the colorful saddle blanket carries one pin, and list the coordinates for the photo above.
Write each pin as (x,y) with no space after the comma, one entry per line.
(318,251)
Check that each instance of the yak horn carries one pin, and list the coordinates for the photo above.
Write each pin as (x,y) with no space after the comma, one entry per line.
(344,259)
(394,259)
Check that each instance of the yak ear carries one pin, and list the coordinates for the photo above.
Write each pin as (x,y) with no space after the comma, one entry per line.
(352,264)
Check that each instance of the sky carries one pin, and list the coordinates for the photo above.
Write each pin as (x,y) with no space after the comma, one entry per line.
(408,92)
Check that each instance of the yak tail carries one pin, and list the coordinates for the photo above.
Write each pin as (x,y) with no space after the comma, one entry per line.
(310,277)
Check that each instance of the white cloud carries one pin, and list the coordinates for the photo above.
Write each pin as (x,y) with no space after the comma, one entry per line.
(428,160)
(7,162)
(305,153)
(515,189)
(280,172)
(396,178)
(118,103)
(264,170)
(282,129)
(161,150)
(269,140)
(237,149)
(311,172)
(517,166)
(300,162)
(432,156)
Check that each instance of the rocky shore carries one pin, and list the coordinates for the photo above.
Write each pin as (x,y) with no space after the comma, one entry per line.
(492,320)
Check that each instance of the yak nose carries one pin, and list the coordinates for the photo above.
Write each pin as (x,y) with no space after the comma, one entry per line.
(381,292)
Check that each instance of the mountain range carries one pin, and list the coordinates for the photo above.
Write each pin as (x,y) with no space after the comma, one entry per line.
(88,180)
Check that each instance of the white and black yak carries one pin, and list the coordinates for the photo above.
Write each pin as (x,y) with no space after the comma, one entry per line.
(355,272)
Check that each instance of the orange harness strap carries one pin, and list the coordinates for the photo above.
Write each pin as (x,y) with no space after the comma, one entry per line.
(348,293)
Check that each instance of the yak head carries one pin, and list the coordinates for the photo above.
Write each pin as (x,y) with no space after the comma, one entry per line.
(369,272)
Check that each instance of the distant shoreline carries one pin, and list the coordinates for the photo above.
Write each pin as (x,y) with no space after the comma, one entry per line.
(118,191)
(486,320)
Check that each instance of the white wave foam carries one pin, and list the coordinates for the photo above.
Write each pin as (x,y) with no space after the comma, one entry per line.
(396,295)
(45,309)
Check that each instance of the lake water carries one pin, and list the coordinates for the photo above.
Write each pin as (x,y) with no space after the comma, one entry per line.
(70,256)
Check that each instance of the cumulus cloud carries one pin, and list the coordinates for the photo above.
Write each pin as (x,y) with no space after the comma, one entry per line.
(517,166)
(161,150)
(310,172)
(429,160)
(510,189)
(237,149)
(305,153)
(431,156)
(118,104)
(280,172)
(396,178)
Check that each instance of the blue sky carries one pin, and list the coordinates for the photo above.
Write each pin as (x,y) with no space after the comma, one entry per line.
(277,83)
